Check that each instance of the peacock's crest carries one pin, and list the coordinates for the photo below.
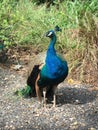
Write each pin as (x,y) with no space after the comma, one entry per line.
(57,28)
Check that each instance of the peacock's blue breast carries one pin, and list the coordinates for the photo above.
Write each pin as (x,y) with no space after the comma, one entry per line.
(54,68)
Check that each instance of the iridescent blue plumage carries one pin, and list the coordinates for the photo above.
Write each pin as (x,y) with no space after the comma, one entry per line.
(55,69)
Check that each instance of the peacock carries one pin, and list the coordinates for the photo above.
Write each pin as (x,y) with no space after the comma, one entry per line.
(44,78)
(53,72)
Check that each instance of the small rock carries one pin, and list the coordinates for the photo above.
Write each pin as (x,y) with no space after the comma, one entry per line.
(71,119)
(75,123)
(91,128)
(77,101)
(6,126)
(17,67)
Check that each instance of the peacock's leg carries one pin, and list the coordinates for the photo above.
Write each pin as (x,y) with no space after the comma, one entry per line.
(38,92)
(44,93)
(54,96)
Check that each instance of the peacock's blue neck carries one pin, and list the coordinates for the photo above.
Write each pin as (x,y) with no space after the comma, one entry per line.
(51,49)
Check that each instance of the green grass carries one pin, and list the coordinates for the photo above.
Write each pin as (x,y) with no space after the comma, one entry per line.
(24,23)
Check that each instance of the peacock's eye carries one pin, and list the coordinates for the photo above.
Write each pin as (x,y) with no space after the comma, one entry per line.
(49,34)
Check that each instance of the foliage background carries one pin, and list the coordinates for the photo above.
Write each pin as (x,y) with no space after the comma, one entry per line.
(24,22)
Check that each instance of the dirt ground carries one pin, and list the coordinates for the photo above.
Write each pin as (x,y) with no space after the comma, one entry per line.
(77,104)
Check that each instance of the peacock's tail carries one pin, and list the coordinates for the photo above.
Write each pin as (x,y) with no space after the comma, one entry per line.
(25,92)
(29,90)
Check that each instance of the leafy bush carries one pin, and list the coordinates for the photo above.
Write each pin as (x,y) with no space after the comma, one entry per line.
(23,22)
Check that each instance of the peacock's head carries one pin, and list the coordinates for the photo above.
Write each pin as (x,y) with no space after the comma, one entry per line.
(51,33)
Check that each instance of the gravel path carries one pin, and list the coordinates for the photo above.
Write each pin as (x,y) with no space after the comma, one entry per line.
(77,107)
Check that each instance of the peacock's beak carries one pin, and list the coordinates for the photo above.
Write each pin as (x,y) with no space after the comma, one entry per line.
(46,34)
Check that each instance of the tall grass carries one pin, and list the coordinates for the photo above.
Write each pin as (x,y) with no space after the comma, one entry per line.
(23,22)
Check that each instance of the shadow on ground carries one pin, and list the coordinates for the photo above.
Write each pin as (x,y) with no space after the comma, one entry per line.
(75,96)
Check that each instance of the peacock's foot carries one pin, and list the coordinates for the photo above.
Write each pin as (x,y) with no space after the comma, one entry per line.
(44,102)
(54,104)
(39,105)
